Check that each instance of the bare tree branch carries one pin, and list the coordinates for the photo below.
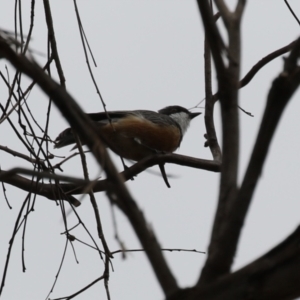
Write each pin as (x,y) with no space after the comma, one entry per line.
(228,84)
(281,92)
(94,204)
(48,190)
(23,156)
(212,140)
(259,65)
(212,34)
(265,60)
(272,276)
(87,130)
(84,41)
(52,40)
(292,12)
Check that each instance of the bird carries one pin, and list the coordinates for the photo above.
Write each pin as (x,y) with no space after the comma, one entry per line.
(137,134)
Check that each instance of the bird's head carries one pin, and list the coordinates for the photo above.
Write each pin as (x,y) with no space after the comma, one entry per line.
(180,115)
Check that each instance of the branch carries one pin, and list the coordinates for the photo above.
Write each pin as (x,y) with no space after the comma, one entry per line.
(85,43)
(292,12)
(259,65)
(87,130)
(94,205)
(213,36)
(212,140)
(228,85)
(265,60)
(52,40)
(37,160)
(224,11)
(50,190)
(272,276)
(224,245)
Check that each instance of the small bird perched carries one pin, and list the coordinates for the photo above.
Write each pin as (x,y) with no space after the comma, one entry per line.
(137,134)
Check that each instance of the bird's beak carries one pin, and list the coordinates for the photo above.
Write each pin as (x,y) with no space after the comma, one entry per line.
(194,114)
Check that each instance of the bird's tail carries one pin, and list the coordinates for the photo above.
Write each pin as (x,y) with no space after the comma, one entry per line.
(65,138)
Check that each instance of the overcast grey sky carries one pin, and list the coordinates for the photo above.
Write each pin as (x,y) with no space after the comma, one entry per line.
(149,55)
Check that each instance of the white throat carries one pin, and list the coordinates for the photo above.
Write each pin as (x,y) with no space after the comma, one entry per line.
(183,120)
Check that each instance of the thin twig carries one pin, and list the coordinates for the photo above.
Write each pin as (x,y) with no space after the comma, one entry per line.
(93,199)
(23,156)
(115,227)
(30,26)
(5,196)
(59,269)
(6,114)
(162,249)
(292,12)
(51,36)
(83,41)
(212,140)
(11,242)
(80,291)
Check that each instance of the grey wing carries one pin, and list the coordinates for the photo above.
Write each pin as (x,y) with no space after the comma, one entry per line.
(149,115)
(155,117)
(103,117)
